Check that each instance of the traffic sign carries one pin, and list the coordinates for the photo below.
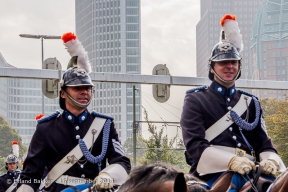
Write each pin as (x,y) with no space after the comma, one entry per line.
(161,92)
(51,87)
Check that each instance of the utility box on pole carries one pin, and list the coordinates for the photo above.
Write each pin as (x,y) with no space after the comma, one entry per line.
(161,93)
(50,88)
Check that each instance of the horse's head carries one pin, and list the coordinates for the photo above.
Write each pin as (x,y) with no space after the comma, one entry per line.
(160,177)
(151,177)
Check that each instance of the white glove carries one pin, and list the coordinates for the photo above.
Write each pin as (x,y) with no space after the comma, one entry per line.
(103,181)
(241,165)
(270,166)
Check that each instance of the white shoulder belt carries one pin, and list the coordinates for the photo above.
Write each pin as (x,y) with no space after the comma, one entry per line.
(62,166)
(223,123)
(14,184)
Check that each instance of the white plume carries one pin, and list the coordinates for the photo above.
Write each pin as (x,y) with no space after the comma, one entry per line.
(75,48)
(15,149)
(232,33)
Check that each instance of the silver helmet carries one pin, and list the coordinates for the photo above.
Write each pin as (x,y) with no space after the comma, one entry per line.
(222,51)
(11,159)
(228,48)
(73,77)
(77,73)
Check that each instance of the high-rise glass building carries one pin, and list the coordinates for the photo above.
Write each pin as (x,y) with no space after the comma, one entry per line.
(269,45)
(110,32)
(21,101)
(3,90)
(208,30)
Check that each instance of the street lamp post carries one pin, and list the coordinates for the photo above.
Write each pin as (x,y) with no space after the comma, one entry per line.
(41,37)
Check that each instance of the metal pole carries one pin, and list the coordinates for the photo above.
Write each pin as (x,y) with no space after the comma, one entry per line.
(134,127)
(42,59)
(41,66)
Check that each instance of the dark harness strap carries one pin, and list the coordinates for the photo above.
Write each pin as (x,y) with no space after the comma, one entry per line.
(256,176)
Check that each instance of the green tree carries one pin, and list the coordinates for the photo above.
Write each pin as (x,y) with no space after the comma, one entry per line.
(276,118)
(180,152)
(128,148)
(159,147)
(8,134)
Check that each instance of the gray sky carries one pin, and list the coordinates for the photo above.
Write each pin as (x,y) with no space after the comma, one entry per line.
(168,36)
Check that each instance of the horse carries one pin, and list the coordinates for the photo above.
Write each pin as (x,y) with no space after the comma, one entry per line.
(162,177)
(281,183)
(256,184)
(158,177)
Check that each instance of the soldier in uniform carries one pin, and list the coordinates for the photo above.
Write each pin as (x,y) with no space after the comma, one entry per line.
(8,181)
(76,144)
(223,127)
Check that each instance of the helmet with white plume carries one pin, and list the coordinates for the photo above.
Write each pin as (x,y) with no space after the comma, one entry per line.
(78,69)
(228,48)
(13,157)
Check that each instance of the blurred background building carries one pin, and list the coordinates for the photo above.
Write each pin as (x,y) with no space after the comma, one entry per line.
(21,101)
(110,32)
(269,46)
(208,30)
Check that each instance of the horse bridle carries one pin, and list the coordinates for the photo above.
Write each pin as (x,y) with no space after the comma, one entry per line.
(256,175)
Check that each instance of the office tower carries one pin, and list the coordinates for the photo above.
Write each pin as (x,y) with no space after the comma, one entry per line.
(208,29)
(3,90)
(269,46)
(21,101)
(110,32)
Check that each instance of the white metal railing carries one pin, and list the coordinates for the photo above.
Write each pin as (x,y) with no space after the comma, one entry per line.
(139,78)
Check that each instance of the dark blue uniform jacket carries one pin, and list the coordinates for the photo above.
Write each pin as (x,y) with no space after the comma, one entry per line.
(205,107)
(7,179)
(55,138)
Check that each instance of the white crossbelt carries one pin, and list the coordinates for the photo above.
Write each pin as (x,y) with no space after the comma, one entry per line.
(62,166)
(223,123)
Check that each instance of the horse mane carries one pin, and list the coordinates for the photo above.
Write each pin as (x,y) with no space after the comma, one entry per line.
(147,174)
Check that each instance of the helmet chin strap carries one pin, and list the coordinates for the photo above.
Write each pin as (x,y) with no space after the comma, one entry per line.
(77,103)
(224,81)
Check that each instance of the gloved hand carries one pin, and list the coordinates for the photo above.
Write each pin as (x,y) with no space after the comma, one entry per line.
(241,165)
(103,181)
(269,166)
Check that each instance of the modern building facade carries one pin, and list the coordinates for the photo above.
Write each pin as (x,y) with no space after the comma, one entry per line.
(269,46)
(21,101)
(3,90)
(208,29)
(110,32)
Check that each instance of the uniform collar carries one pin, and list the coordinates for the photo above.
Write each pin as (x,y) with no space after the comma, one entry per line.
(11,174)
(73,119)
(223,90)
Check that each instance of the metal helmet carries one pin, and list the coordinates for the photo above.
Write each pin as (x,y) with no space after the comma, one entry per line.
(11,159)
(222,51)
(78,69)
(73,77)
(228,48)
